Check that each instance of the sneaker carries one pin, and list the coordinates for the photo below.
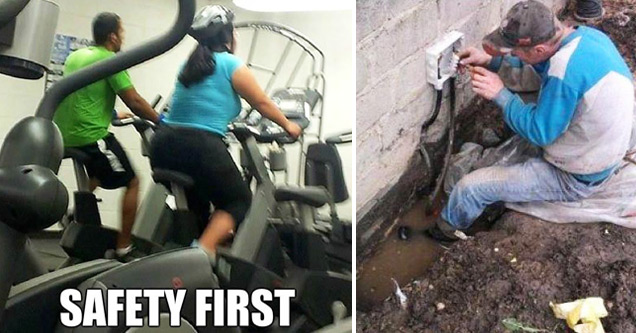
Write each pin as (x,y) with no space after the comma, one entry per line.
(130,255)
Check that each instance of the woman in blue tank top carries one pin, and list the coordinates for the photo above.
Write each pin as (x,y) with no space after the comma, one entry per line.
(206,99)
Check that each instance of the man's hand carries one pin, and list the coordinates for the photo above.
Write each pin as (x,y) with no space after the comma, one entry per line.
(473,56)
(124,115)
(486,83)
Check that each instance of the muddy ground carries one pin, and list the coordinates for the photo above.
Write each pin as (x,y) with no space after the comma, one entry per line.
(514,271)
(517,268)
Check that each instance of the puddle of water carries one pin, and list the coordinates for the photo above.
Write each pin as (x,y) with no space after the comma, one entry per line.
(402,260)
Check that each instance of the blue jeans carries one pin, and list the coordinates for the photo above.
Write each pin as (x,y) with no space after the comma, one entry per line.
(533,180)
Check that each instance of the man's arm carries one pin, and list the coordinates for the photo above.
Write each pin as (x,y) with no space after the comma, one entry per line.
(541,123)
(138,105)
(246,85)
(544,122)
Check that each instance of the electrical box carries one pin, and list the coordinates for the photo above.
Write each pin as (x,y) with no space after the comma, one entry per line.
(441,58)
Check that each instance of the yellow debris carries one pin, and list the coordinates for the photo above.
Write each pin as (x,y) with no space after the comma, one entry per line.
(587,311)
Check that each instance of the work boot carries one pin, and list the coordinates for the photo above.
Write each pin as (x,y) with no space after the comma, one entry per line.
(589,10)
(488,217)
(443,232)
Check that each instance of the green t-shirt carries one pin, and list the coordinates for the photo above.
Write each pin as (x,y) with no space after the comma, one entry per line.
(85,115)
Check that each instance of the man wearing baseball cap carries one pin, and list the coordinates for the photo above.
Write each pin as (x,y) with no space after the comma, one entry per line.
(582,119)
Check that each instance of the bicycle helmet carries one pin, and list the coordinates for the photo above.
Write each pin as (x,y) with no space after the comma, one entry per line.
(209,21)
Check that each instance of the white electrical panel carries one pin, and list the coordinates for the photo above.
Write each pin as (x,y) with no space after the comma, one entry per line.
(441,58)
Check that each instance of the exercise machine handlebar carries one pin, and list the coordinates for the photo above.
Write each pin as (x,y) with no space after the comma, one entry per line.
(342,138)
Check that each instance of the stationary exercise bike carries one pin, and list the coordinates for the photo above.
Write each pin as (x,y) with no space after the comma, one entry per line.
(323,167)
(301,98)
(323,173)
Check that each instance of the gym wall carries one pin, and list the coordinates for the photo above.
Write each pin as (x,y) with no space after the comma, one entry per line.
(144,19)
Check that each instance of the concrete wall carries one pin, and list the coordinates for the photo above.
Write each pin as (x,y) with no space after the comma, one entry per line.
(394,100)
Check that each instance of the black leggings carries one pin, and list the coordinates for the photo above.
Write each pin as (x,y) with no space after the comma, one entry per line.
(203,156)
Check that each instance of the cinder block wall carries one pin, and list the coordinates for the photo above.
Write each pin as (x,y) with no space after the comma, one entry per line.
(394,100)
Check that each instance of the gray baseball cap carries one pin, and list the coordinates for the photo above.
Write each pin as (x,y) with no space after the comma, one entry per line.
(528,23)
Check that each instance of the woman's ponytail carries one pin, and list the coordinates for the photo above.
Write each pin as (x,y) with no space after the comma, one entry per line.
(200,65)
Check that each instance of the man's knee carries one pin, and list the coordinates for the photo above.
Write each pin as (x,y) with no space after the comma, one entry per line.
(469,181)
(476,183)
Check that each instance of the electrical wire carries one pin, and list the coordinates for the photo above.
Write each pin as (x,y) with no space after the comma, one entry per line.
(438,106)
(449,149)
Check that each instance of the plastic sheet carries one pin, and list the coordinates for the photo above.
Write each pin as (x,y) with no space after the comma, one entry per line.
(614,201)
(512,151)
(473,156)
(461,164)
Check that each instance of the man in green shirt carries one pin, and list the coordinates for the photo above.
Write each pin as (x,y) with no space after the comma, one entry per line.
(85,116)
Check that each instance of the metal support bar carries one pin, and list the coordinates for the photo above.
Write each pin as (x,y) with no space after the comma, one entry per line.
(279,66)
(301,160)
(292,77)
(307,216)
(259,67)
(263,202)
(252,47)
(150,211)
(180,197)
(256,165)
(81,176)
(255,224)
(320,76)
